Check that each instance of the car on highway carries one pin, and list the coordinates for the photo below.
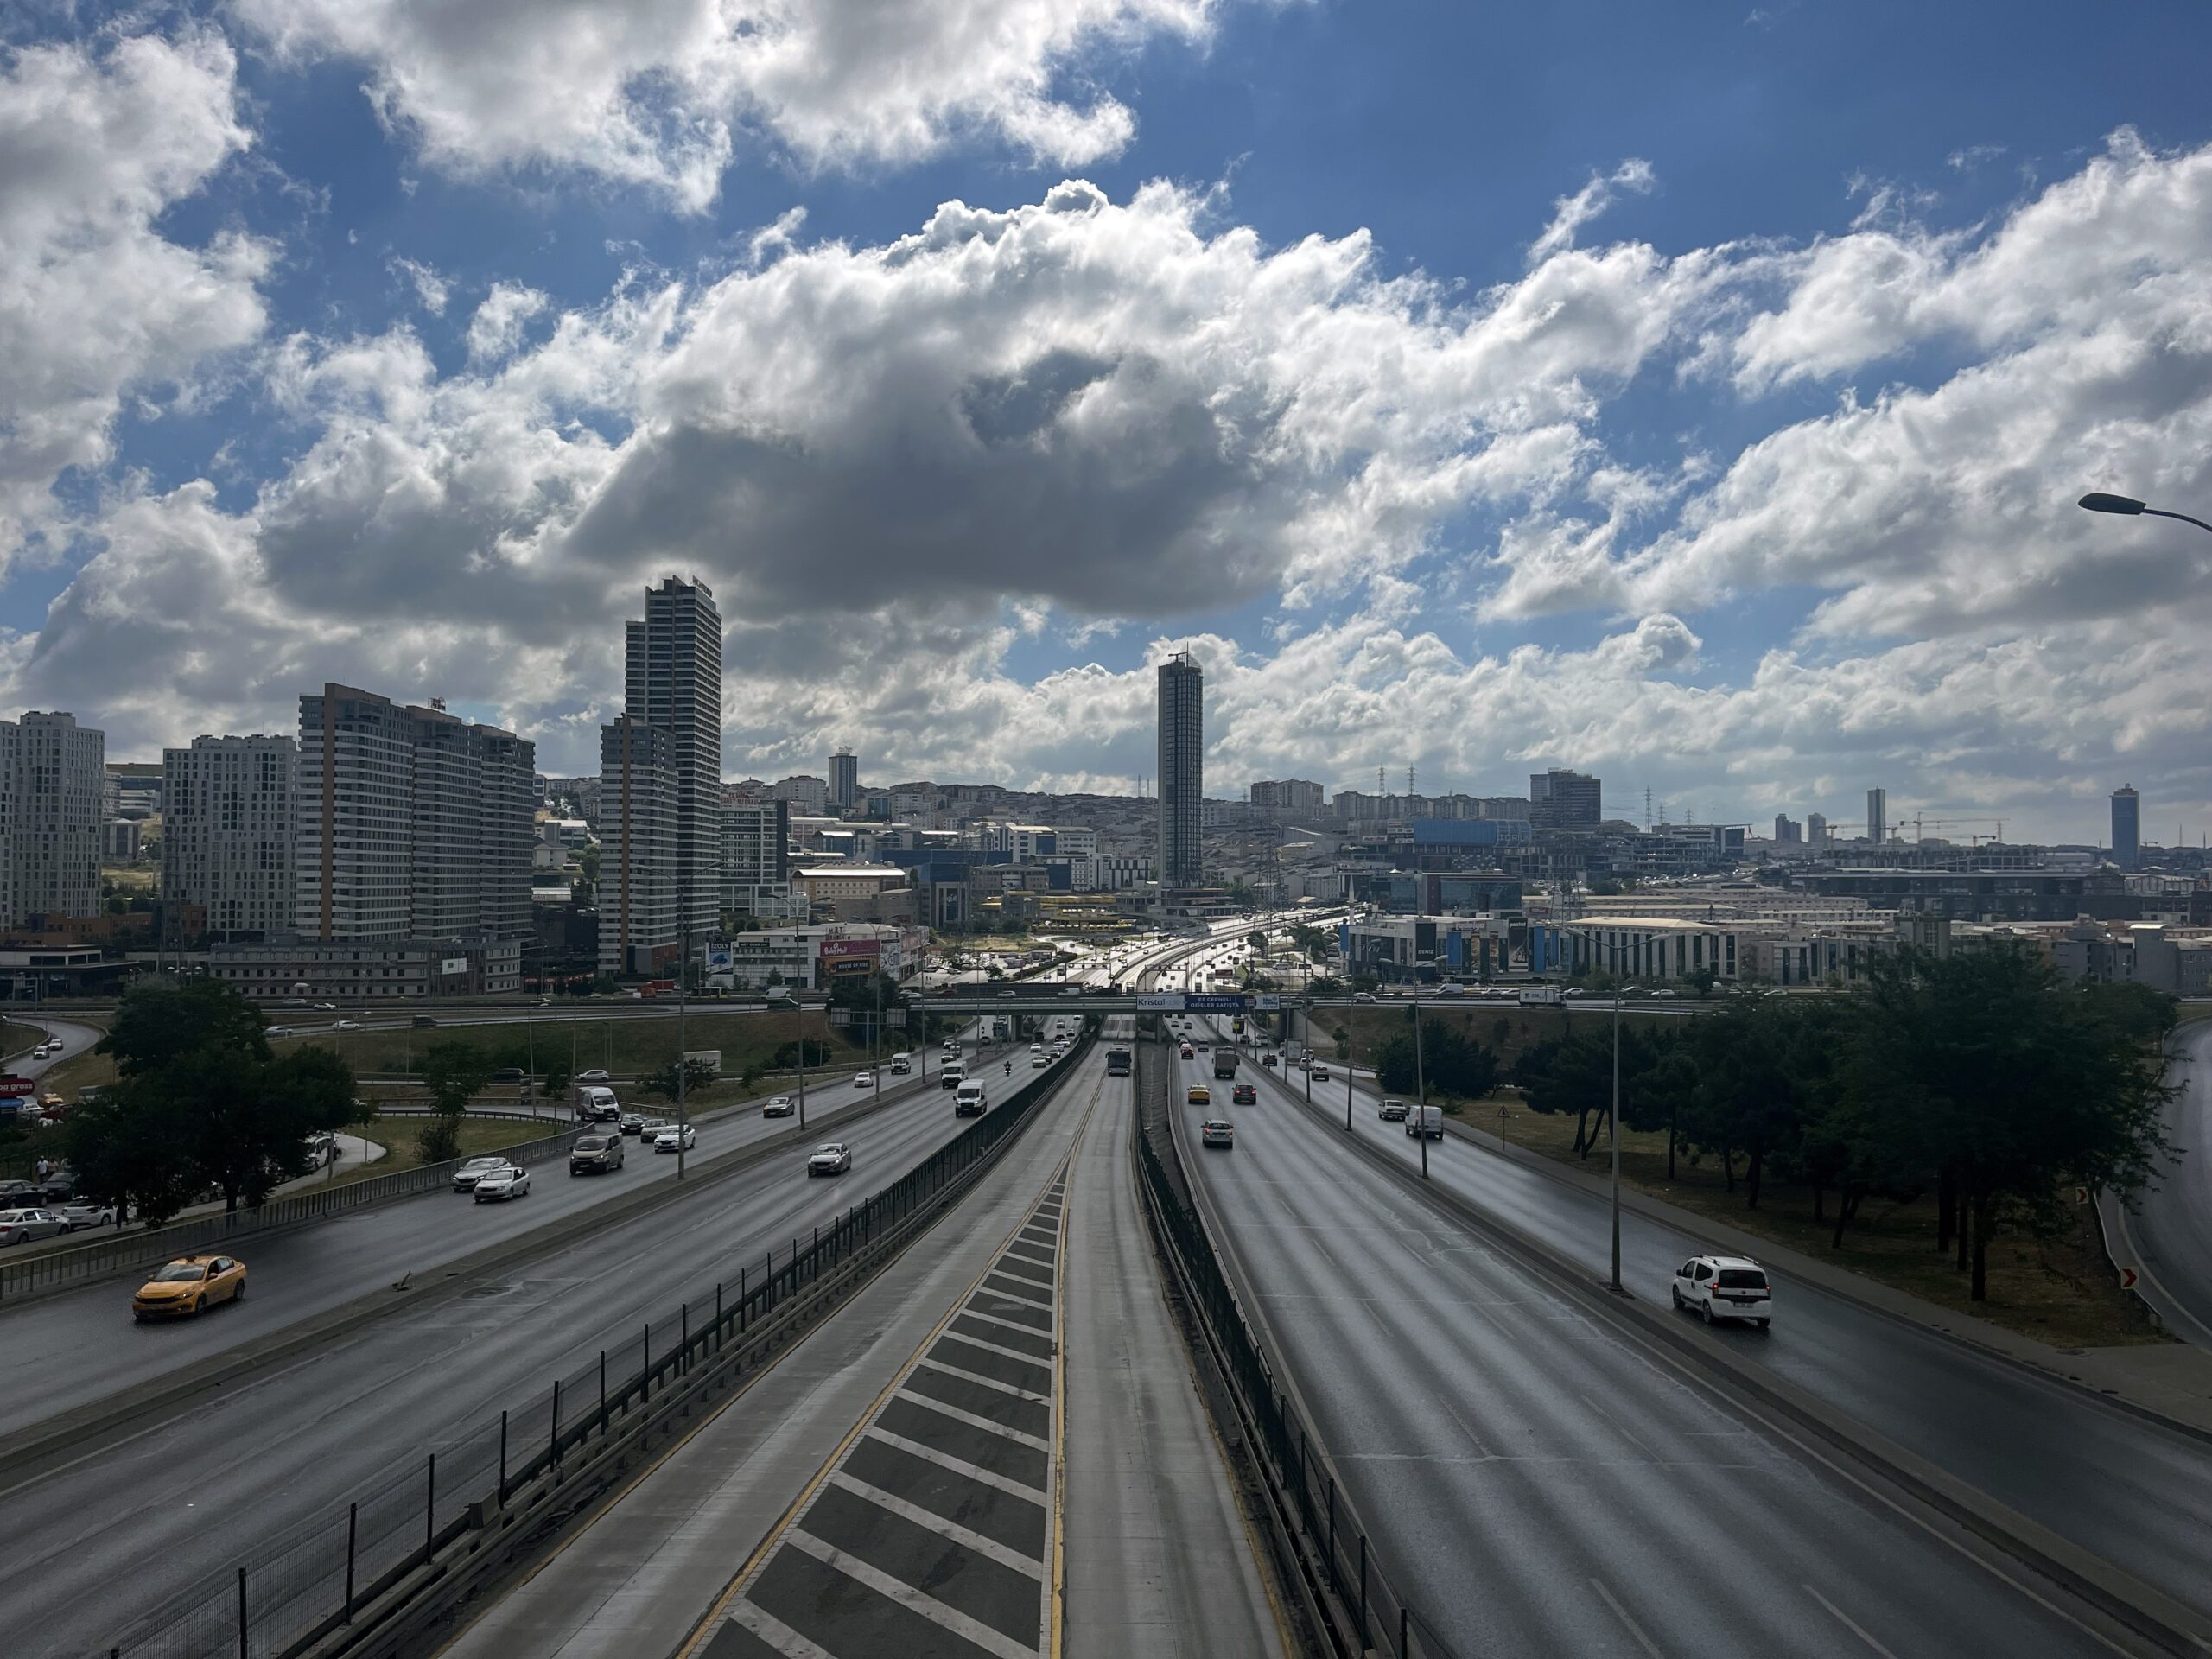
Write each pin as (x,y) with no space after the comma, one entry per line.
(1039,1060)
(831,1157)
(189,1284)
(1244,1094)
(1268,1059)
(595,1154)
(1391,1111)
(277,1031)
(498,1186)
(345,1024)
(676,1138)
(901,1065)
(863,1079)
(633,1123)
(1318,1072)
(85,1213)
(1724,1287)
(1008,995)
(1198,1095)
(1217,1132)
(1450,990)
(781,1106)
(22,1226)
(597,1074)
(1185,1052)
(1575,990)
(1362,996)
(465,1178)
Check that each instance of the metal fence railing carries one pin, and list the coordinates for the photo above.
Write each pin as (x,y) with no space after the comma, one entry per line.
(53,1269)
(384,1555)
(1366,1612)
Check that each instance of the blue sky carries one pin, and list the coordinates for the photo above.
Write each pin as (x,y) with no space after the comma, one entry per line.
(344,352)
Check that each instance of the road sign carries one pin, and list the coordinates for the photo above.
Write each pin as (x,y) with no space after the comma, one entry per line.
(1214,1004)
(2081,1195)
(2128,1278)
(1268,1003)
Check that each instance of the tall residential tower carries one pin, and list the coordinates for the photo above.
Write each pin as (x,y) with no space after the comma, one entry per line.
(2127,827)
(1182,769)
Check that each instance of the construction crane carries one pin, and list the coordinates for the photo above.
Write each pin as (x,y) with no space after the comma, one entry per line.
(1921,822)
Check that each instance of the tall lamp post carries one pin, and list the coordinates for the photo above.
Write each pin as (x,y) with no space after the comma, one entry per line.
(2099,501)
(1421,1074)
(1614,1126)
(683,989)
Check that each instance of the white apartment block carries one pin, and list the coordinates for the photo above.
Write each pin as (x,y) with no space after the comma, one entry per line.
(53,772)
(413,824)
(230,817)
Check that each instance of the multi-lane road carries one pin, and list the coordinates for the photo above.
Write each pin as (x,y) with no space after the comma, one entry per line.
(1541,1482)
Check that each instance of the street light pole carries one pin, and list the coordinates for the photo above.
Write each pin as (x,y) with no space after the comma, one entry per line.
(1420,1075)
(1615,1126)
(682,991)
(2099,501)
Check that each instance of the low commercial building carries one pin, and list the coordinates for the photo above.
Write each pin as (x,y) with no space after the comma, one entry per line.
(815,957)
(1399,949)
(370,971)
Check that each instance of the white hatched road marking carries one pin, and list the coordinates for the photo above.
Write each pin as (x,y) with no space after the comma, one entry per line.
(1029,1394)
(933,1403)
(958,1465)
(1025,1301)
(777,1634)
(914,1600)
(989,1548)
(1042,1362)
(1011,1324)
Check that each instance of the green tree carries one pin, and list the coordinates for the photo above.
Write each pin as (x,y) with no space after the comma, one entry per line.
(555,1084)
(252,1120)
(157,1024)
(454,1073)
(135,1147)
(1702,980)
(698,1074)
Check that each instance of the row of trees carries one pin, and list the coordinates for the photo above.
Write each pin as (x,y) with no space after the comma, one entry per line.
(1983,1078)
(200,1104)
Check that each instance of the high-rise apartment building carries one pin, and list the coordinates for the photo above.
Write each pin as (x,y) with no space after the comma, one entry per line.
(638,908)
(1292,797)
(844,781)
(1182,770)
(1816,829)
(230,818)
(674,681)
(53,772)
(2127,827)
(1877,816)
(1788,832)
(413,824)
(660,873)
(1565,800)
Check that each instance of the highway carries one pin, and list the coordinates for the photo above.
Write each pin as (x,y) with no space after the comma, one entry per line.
(2132,1490)
(2171,1227)
(97,1544)
(1536,1482)
(69,1350)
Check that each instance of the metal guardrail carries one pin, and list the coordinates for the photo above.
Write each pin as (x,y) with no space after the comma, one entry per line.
(1362,1608)
(396,1556)
(55,1268)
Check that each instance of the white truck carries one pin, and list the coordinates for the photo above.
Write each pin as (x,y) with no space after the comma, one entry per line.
(1426,1121)
(1537,996)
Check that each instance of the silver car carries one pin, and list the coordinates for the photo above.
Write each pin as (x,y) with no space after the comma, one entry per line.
(465,1178)
(508,1181)
(21,1226)
(831,1157)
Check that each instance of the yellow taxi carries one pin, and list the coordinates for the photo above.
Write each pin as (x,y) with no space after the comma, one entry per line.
(1199,1095)
(189,1284)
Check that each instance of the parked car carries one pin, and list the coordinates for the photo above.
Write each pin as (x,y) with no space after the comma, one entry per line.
(781,1106)
(1392,1111)
(508,1181)
(1724,1287)
(597,1074)
(1217,1132)
(22,1226)
(83,1213)
(595,1154)
(1244,1094)
(831,1157)
(189,1284)
(679,1138)
(465,1178)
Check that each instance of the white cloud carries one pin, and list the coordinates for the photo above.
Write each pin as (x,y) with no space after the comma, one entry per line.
(96,304)
(1570,213)
(432,289)
(663,93)
(496,329)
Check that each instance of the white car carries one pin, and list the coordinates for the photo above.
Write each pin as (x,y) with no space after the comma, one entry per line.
(277,1031)
(1724,1288)
(863,1079)
(831,1157)
(781,1106)
(597,1074)
(345,1024)
(465,1178)
(1217,1132)
(85,1214)
(508,1181)
(1362,996)
(1038,1062)
(676,1139)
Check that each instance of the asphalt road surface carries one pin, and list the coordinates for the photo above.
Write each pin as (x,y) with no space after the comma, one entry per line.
(2136,1493)
(95,1546)
(63,1351)
(2171,1227)
(1535,1481)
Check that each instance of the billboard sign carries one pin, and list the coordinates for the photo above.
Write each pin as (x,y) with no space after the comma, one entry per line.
(718,959)
(836,949)
(453,965)
(1178,1002)
(12,1087)
(1268,1003)
(1160,1002)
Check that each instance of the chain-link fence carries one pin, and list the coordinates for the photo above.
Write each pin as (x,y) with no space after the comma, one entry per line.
(1356,1596)
(299,1589)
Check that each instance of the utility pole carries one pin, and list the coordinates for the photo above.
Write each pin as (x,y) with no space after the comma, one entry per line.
(683,1067)
(1420,1072)
(1616,1127)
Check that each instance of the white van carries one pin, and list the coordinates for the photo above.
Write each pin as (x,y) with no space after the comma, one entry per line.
(968,1101)
(901,1063)
(596,1103)
(951,1074)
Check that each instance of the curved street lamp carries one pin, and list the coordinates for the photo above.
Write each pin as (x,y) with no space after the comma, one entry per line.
(2098,501)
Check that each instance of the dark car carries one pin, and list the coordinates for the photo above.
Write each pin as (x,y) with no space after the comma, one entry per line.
(1244,1095)
(507,1074)
(595,1154)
